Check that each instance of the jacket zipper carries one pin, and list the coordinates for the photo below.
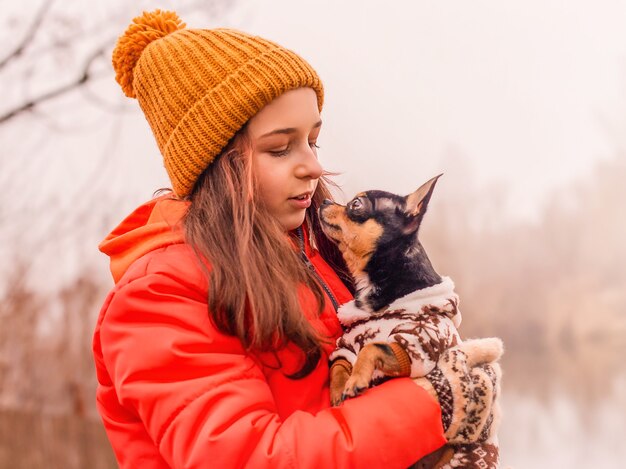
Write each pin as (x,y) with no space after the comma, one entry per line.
(311,267)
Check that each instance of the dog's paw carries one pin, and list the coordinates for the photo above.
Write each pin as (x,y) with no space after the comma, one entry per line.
(336,397)
(354,386)
(339,374)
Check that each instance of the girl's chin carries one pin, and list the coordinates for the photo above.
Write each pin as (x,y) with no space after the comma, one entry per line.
(292,221)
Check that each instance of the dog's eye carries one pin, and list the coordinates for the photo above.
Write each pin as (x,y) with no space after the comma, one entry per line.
(356,204)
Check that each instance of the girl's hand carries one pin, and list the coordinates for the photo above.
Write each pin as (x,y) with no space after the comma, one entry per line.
(466,383)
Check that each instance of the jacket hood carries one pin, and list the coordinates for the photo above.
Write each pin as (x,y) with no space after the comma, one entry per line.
(151,226)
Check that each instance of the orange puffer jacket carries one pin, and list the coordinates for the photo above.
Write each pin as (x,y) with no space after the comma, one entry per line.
(173,391)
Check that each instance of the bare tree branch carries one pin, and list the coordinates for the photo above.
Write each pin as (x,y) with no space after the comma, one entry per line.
(80,81)
(30,35)
(30,103)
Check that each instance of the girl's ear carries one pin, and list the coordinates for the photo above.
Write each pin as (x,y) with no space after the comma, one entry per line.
(417,203)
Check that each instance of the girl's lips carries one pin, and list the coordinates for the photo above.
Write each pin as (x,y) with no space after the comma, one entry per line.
(302,203)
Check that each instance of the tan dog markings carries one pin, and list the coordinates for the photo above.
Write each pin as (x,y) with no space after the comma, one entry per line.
(339,375)
(371,357)
(357,241)
(361,243)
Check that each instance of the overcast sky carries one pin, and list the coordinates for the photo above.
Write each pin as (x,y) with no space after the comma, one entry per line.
(525,90)
(523,97)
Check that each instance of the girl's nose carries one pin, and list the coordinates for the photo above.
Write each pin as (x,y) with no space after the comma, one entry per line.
(310,167)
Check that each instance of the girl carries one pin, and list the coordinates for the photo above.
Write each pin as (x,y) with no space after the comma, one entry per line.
(211,350)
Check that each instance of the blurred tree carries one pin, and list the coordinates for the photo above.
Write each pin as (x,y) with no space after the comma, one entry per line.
(58,85)
(68,48)
(554,289)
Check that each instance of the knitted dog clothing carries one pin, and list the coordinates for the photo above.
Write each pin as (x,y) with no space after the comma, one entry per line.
(423,322)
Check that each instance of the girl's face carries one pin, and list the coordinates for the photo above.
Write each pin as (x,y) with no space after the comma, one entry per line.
(283,136)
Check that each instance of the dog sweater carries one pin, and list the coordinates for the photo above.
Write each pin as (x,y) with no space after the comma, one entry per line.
(424,323)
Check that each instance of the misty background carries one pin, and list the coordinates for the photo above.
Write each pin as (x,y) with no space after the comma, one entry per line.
(520,105)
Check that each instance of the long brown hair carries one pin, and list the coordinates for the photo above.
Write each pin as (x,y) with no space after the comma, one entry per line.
(254,270)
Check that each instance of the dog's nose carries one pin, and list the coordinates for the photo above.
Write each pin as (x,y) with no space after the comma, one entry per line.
(327,202)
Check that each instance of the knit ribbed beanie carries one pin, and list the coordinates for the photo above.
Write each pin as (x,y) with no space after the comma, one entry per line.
(198,87)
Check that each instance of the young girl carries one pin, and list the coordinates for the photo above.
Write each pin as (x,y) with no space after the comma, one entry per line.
(212,349)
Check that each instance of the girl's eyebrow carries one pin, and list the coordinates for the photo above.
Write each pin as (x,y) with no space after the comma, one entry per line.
(289,130)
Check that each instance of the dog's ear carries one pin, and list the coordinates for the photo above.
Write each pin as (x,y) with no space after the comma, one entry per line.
(417,203)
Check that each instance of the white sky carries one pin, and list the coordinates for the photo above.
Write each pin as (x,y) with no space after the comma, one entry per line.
(524,91)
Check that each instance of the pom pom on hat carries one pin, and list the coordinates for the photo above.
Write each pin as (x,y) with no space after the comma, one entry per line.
(144,29)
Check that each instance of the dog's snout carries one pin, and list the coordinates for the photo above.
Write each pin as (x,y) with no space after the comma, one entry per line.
(327,202)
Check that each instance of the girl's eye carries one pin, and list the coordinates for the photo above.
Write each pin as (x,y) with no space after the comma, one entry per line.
(314,145)
(282,152)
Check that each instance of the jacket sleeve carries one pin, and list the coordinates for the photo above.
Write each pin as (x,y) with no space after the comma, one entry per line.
(205,403)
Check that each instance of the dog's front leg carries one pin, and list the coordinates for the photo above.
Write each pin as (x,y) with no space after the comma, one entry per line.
(375,356)
(339,373)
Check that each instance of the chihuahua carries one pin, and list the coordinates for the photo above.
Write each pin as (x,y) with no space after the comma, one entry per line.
(404,315)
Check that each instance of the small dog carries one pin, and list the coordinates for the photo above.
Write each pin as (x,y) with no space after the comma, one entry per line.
(404,315)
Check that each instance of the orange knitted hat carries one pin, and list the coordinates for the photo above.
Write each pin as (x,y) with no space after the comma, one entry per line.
(198,87)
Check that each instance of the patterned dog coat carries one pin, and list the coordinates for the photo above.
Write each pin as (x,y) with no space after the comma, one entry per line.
(424,322)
